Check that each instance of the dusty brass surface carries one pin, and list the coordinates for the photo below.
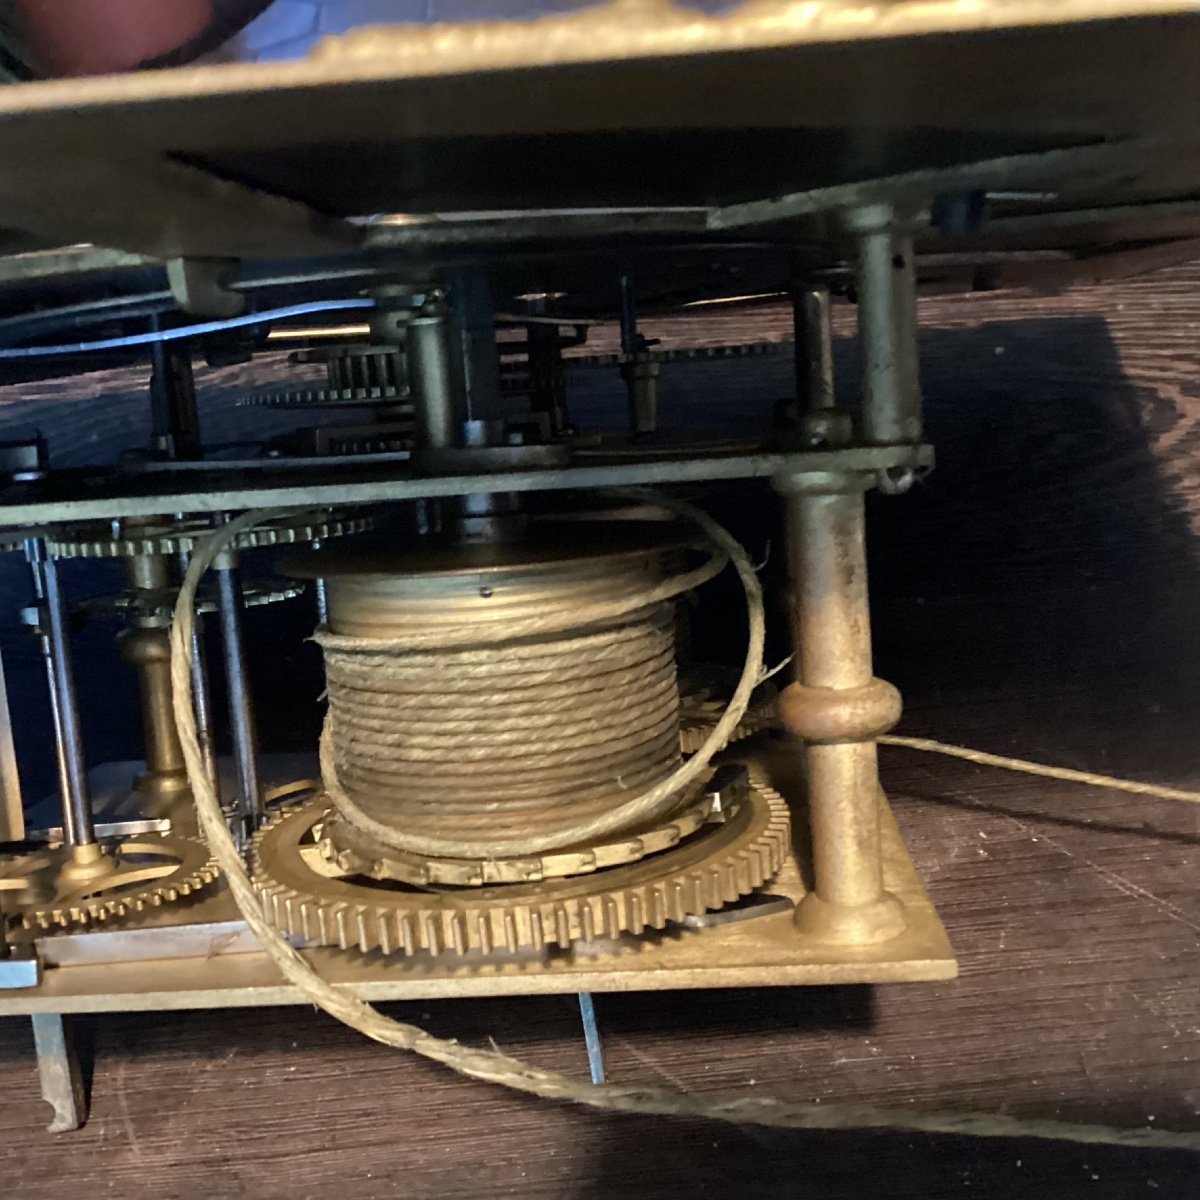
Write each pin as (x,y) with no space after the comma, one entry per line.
(355,854)
(708,871)
(62,887)
(763,952)
(12,810)
(366,579)
(146,646)
(148,650)
(832,635)
(867,89)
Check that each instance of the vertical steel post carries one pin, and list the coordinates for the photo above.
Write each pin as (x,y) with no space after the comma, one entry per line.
(78,823)
(887,326)
(202,695)
(438,411)
(241,706)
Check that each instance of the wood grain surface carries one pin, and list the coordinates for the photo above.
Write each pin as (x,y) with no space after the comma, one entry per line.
(1038,595)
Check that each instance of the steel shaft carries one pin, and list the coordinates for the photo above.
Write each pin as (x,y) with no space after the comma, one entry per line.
(78,823)
(241,708)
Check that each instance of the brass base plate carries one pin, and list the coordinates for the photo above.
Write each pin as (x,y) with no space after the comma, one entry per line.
(762,951)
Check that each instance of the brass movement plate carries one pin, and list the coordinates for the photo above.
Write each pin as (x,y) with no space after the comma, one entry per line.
(633,103)
(762,951)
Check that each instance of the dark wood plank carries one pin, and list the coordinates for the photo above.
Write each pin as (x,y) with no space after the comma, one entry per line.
(1037,596)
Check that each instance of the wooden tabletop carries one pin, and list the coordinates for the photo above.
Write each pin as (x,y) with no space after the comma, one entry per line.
(1038,596)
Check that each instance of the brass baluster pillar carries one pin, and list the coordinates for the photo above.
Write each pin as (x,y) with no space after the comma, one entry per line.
(836,705)
(146,646)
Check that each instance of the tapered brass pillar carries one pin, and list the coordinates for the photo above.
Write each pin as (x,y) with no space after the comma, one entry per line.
(145,645)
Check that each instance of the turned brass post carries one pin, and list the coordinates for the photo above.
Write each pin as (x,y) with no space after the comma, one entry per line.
(838,707)
(835,704)
(146,646)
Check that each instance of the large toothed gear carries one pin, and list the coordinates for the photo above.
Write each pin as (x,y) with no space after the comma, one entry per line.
(166,535)
(325,397)
(61,888)
(355,376)
(685,354)
(303,898)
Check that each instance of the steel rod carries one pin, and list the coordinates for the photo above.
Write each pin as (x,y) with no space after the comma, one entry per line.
(891,406)
(241,708)
(78,823)
(591,1037)
(814,348)
(202,694)
(173,401)
(437,407)
(629,324)
(202,705)
(321,595)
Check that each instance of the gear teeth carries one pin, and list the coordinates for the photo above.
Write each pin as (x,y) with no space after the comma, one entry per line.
(193,871)
(429,929)
(537,932)
(395,922)
(587,923)
(612,917)
(96,540)
(383,936)
(636,919)
(408,934)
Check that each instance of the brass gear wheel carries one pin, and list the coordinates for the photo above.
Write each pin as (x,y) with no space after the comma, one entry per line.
(256,593)
(685,354)
(60,887)
(302,897)
(167,536)
(357,375)
(327,397)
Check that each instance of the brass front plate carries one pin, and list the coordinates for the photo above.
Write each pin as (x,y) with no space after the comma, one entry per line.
(763,951)
(635,103)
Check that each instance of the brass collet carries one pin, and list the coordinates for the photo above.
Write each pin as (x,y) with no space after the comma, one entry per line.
(825,715)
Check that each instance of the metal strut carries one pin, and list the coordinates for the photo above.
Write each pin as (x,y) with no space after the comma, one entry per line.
(836,705)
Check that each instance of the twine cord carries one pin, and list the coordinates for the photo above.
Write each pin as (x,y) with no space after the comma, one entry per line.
(496,1067)
(1069,774)
(650,805)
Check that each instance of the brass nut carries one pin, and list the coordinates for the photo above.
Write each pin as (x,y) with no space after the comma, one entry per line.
(835,715)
